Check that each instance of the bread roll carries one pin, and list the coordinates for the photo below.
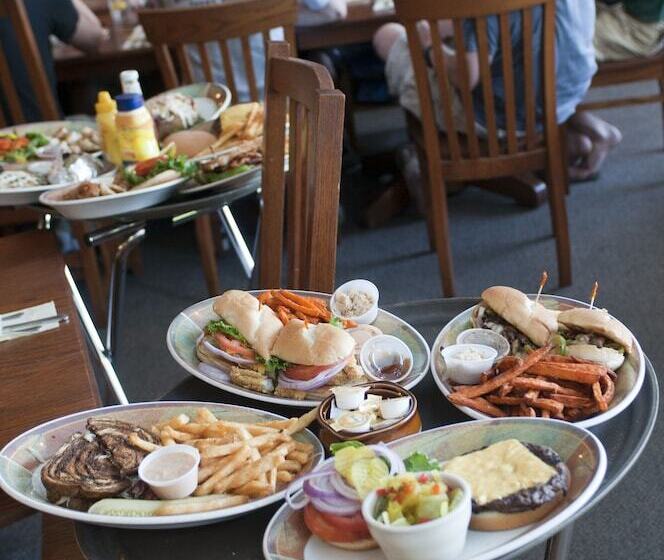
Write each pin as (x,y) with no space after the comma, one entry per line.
(257,323)
(529,317)
(315,345)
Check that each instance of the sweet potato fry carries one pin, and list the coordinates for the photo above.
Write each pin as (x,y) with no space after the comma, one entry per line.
(546,414)
(478,403)
(599,397)
(506,376)
(547,404)
(507,401)
(528,411)
(508,362)
(572,401)
(586,374)
(506,389)
(531,383)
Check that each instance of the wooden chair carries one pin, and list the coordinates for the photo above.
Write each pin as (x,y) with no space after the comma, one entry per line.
(304,201)
(453,156)
(613,73)
(173,29)
(15,11)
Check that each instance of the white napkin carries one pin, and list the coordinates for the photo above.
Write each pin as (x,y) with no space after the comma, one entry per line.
(28,314)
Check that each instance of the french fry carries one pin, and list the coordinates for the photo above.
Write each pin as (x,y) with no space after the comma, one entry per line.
(298,456)
(586,374)
(148,446)
(546,414)
(546,404)
(505,389)
(572,401)
(290,466)
(285,477)
(504,377)
(302,422)
(477,403)
(204,416)
(254,489)
(178,421)
(529,383)
(599,397)
(241,457)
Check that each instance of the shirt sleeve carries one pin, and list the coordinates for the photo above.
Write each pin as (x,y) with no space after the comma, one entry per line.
(492,31)
(315,5)
(64,18)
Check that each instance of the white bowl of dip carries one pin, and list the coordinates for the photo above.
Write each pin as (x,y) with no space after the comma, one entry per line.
(172,471)
(356,300)
(464,363)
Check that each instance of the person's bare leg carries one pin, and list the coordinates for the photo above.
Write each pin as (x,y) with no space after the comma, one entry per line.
(579,147)
(603,135)
(385,37)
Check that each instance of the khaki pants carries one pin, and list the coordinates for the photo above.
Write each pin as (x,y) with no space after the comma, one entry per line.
(619,36)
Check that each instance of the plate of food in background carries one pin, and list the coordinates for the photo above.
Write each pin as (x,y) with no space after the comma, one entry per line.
(158,465)
(554,358)
(138,186)
(512,481)
(187,107)
(292,347)
(43,156)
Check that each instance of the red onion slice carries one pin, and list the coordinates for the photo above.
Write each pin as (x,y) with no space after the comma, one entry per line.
(325,470)
(396,463)
(214,372)
(321,379)
(225,355)
(339,484)
(337,507)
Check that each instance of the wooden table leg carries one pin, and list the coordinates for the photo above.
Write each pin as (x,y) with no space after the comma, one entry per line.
(206,249)
(91,273)
(59,539)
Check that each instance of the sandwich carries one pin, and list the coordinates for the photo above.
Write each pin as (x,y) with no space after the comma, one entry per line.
(101,463)
(592,334)
(240,342)
(315,357)
(233,161)
(155,171)
(525,324)
(513,483)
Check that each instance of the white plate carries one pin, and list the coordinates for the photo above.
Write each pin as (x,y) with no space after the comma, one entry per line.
(21,456)
(287,537)
(185,329)
(630,375)
(112,204)
(21,196)
(225,184)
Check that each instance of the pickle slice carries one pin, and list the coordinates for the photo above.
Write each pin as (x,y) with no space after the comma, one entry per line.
(367,474)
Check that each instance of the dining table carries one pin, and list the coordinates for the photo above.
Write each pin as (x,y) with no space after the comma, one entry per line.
(624,437)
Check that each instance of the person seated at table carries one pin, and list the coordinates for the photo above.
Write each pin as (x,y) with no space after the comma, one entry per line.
(628,29)
(589,137)
(310,12)
(71,21)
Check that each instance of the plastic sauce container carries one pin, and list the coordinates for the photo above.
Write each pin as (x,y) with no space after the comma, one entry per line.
(106,109)
(129,82)
(135,129)
(172,471)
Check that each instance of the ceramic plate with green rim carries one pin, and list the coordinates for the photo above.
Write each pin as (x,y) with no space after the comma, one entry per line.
(287,537)
(21,458)
(187,327)
(628,384)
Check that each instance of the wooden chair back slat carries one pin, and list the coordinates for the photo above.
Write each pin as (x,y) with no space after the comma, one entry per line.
(15,11)
(233,20)
(228,67)
(304,202)
(266,39)
(205,61)
(487,85)
(529,79)
(445,91)
(508,73)
(463,77)
(166,66)
(249,68)
(185,64)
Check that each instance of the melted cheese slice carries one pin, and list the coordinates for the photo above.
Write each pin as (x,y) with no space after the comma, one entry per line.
(500,470)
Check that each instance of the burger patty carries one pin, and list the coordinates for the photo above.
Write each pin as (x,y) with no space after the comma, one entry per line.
(531,498)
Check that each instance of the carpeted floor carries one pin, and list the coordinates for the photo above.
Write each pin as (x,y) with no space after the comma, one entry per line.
(616,229)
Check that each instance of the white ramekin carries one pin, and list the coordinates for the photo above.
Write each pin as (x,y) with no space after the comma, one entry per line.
(179,487)
(361,286)
(467,372)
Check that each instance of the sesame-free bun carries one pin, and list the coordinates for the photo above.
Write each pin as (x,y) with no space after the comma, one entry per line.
(597,321)
(533,319)
(257,323)
(497,521)
(313,345)
(364,544)
(190,142)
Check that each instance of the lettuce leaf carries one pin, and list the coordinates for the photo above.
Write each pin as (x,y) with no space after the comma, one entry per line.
(420,462)
(223,327)
(336,447)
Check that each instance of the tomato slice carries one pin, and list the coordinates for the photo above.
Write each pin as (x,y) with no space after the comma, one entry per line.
(354,523)
(304,373)
(142,168)
(234,347)
(323,529)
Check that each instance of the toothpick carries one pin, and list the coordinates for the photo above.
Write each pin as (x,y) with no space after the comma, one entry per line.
(593,294)
(543,280)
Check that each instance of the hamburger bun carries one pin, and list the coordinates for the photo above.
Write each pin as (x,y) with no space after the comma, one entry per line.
(529,317)
(190,142)
(364,544)
(497,521)
(257,323)
(314,345)
(597,321)
(163,177)
(608,357)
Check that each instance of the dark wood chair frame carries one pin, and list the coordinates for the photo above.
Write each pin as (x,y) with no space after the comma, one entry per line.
(459,157)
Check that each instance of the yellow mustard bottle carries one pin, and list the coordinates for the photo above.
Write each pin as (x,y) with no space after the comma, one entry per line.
(135,129)
(106,110)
